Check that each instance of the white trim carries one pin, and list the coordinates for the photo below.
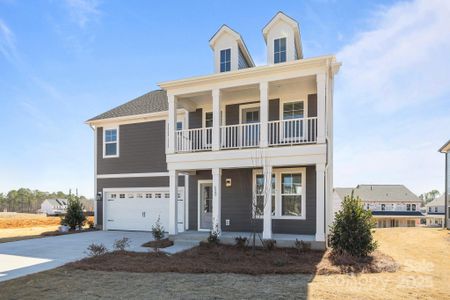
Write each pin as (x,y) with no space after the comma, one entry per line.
(95,176)
(132,175)
(199,182)
(278,172)
(117,141)
(186,202)
(284,100)
(246,106)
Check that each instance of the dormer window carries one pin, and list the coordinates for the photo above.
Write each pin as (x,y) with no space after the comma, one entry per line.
(225,60)
(279,50)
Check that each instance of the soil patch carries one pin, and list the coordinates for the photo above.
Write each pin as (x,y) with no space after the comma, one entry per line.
(225,259)
(164,243)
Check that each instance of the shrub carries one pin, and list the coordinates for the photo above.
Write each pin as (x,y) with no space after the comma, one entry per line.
(74,217)
(158,230)
(122,244)
(351,232)
(96,249)
(241,241)
(269,244)
(213,237)
(302,246)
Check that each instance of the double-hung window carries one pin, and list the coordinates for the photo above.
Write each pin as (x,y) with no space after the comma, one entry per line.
(279,50)
(291,194)
(288,193)
(111,142)
(225,60)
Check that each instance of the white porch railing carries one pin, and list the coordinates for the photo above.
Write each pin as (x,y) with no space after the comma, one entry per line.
(191,140)
(294,131)
(240,136)
(282,132)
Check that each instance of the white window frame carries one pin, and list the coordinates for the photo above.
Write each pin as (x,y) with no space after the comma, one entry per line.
(117,141)
(281,117)
(285,50)
(278,199)
(220,61)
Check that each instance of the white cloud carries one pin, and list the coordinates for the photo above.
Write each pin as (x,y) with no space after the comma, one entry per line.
(403,60)
(7,42)
(83,11)
(392,102)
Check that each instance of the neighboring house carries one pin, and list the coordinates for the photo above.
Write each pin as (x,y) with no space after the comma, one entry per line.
(446,150)
(435,212)
(53,207)
(196,152)
(391,205)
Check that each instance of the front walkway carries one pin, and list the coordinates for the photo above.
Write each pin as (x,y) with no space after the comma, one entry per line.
(30,256)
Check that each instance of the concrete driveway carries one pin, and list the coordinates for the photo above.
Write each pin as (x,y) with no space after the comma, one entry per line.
(30,256)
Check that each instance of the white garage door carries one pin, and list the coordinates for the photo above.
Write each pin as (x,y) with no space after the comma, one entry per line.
(129,209)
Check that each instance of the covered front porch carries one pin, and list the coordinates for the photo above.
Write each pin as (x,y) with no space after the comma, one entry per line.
(228,237)
(238,201)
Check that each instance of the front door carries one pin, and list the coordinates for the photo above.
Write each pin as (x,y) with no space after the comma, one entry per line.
(205,205)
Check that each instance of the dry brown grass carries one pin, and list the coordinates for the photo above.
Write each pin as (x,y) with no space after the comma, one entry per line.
(8,221)
(17,226)
(424,258)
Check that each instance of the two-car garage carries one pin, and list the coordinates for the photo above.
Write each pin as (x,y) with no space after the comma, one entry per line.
(139,208)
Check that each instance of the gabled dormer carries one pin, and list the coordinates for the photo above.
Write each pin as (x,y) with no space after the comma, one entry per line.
(282,36)
(230,52)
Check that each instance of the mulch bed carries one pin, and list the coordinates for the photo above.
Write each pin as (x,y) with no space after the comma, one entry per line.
(164,243)
(57,232)
(224,259)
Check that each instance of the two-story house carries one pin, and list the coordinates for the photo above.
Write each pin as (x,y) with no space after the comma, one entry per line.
(247,147)
(445,149)
(391,205)
(435,212)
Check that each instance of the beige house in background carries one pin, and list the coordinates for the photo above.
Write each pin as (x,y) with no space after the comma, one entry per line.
(435,212)
(391,205)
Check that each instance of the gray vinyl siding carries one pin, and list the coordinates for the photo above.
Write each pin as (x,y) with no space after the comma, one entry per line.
(312,105)
(141,149)
(242,62)
(232,111)
(138,182)
(237,203)
(195,119)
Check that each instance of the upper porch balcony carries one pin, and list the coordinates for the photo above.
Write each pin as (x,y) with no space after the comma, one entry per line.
(262,107)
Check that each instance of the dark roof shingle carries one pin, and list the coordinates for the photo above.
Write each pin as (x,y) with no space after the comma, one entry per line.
(154,101)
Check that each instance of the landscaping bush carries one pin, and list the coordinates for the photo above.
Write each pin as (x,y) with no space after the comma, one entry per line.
(122,244)
(213,237)
(90,224)
(96,249)
(302,246)
(351,232)
(269,244)
(74,217)
(158,230)
(241,241)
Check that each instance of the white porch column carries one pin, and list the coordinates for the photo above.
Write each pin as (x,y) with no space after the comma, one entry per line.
(321,121)
(217,201)
(267,224)
(173,204)
(172,123)
(216,120)
(320,202)
(264,107)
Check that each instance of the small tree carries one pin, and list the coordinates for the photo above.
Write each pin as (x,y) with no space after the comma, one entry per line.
(158,230)
(351,232)
(74,217)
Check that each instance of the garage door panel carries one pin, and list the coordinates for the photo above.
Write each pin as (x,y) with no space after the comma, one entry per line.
(139,210)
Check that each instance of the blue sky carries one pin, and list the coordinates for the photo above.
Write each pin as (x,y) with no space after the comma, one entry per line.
(62,62)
